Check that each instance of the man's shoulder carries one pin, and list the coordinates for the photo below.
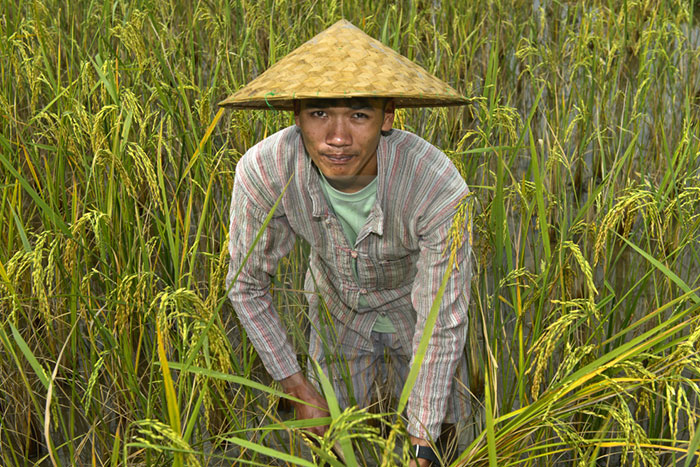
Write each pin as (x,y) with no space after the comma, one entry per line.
(274,148)
(408,141)
(419,158)
(423,177)
(272,156)
(265,168)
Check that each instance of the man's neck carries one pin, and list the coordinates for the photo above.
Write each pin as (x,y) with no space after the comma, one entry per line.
(351,184)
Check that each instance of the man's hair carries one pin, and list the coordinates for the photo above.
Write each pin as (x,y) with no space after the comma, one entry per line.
(352,102)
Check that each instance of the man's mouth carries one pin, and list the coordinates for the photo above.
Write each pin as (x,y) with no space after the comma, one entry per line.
(338,158)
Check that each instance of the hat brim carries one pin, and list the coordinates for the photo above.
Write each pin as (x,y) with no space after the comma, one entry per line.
(287,103)
(344,62)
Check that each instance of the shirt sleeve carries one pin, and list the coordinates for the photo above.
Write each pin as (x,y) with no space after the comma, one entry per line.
(428,400)
(249,291)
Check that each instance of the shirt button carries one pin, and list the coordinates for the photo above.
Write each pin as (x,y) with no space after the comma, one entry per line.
(353,253)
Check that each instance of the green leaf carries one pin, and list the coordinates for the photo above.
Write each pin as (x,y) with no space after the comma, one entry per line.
(539,198)
(667,272)
(270,452)
(50,213)
(231,379)
(334,409)
(693,447)
(170,394)
(425,338)
(22,234)
(26,351)
(490,424)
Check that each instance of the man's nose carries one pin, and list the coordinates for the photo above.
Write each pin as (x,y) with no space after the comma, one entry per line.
(338,133)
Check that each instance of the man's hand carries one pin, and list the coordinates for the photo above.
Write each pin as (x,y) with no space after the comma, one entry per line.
(421,462)
(298,386)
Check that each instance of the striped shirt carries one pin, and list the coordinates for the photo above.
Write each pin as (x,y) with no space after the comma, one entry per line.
(401,255)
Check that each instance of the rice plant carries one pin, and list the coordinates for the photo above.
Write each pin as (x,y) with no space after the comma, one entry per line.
(581,146)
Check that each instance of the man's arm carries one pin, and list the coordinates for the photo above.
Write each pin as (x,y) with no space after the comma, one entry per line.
(249,277)
(428,400)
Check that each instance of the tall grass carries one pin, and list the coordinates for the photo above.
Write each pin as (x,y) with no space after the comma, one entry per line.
(581,146)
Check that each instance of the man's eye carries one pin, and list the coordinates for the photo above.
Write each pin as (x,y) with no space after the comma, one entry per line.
(318,113)
(360,115)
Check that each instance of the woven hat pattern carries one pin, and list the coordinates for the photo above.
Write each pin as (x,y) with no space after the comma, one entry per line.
(343,61)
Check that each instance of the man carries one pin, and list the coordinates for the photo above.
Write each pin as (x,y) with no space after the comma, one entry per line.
(377,207)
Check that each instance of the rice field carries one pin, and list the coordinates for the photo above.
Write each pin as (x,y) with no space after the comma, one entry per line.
(581,146)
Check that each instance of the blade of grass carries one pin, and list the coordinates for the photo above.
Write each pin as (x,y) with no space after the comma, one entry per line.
(166,205)
(490,425)
(20,230)
(108,83)
(294,460)
(334,409)
(115,449)
(170,395)
(693,448)
(539,199)
(183,367)
(667,272)
(50,213)
(201,144)
(6,280)
(194,416)
(419,355)
(39,370)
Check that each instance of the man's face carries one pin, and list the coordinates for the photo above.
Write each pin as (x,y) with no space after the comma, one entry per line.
(342,135)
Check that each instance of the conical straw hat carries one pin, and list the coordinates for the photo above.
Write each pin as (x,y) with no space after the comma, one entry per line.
(343,61)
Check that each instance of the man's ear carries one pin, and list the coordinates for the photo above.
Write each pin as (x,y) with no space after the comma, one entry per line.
(389,109)
(297,109)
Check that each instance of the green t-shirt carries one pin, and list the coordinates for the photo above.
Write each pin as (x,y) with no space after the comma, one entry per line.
(352,210)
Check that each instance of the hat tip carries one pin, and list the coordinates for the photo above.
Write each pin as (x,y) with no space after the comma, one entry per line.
(343,23)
